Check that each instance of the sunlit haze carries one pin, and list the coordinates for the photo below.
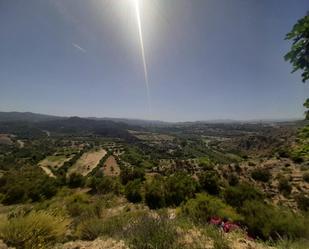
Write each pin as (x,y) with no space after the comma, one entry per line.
(172,60)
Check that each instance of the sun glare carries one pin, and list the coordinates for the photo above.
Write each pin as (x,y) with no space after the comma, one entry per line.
(136,4)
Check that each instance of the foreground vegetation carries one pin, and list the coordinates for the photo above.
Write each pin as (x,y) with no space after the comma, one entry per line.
(160,194)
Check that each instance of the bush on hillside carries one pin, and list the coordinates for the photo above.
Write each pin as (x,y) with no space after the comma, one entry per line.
(205,206)
(34,231)
(284,186)
(237,195)
(178,188)
(261,175)
(233,179)
(130,174)
(90,229)
(209,182)
(76,180)
(266,221)
(133,191)
(27,184)
(152,232)
(105,185)
(155,193)
(303,202)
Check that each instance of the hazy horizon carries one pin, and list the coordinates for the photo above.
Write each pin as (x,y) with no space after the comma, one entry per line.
(204,60)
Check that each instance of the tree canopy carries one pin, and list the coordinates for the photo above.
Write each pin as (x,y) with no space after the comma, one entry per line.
(298,56)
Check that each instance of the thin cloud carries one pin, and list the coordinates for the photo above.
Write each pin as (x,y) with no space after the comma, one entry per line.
(79,47)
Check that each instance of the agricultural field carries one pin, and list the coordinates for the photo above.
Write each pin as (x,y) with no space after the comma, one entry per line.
(5,139)
(111,167)
(87,162)
(55,161)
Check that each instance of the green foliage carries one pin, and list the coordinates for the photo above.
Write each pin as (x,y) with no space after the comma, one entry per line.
(36,230)
(152,232)
(262,175)
(237,195)
(303,202)
(285,243)
(178,188)
(155,193)
(284,186)
(90,229)
(133,191)
(298,55)
(170,191)
(266,221)
(300,152)
(209,181)
(76,180)
(131,173)
(26,184)
(205,206)
(220,242)
(105,185)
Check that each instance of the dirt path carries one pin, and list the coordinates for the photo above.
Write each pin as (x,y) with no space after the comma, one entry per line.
(87,162)
(48,171)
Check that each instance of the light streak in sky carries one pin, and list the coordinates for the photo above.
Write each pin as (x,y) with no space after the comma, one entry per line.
(141,40)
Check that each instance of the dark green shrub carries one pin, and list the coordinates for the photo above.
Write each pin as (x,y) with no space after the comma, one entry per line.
(27,184)
(130,174)
(303,202)
(261,175)
(237,195)
(209,182)
(105,185)
(178,188)
(284,186)
(15,194)
(155,193)
(233,179)
(76,180)
(133,191)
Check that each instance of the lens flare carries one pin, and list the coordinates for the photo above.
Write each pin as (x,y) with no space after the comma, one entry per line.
(141,40)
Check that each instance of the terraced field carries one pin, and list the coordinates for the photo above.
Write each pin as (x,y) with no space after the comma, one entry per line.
(87,162)
(111,167)
(55,161)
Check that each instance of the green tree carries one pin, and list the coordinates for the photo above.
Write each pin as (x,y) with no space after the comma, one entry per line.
(179,187)
(133,191)
(298,56)
(209,181)
(299,53)
(155,193)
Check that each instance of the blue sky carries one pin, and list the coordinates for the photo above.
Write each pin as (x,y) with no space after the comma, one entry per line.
(206,59)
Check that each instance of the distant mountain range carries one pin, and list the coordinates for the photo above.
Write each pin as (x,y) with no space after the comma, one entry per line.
(35,117)
(26,116)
